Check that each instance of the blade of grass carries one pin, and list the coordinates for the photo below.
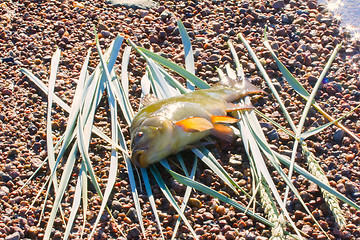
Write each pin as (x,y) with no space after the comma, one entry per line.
(189,55)
(151,199)
(76,203)
(206,156)
(187,191)
(268,81)
(163,61)
(261,166)
(306,111)
(309,176)
(302,91)
(124,70)
(170,198)
(257,133)
(202,188)
(312,132)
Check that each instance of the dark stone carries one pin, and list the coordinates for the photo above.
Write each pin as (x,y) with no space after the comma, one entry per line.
(5,177)
(14,236)
(273,135)
(134,233)
(311,5)
(338,135)
(8,59)
(279,4)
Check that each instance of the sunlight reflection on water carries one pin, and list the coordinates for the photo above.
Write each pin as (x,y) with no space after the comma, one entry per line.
(348,11)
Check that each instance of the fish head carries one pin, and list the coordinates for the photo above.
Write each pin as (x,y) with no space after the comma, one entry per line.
(151,141)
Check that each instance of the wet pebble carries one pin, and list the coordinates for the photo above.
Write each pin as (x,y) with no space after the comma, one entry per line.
(338,135)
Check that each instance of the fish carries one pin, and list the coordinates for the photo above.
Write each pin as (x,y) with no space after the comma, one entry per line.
(165,127)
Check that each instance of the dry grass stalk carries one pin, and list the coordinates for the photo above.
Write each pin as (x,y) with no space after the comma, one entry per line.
(272,213)
(331,200)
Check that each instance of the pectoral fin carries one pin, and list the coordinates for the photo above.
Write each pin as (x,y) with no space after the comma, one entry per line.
(238,107)
(195,124)
(223,119)
(223,131)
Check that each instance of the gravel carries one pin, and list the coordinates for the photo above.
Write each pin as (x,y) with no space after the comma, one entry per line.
(301,33)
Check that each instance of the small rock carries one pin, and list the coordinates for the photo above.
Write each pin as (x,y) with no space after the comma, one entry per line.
(5,177)
(144,13)
(207,216)
(199,231)
(148,18)
(341,188)
(338,135)
(33,231)
(299,21)
(220,210)
(6,92)
(230,235)
(273,135)
(307,229)
(102,27)
(194,202)
(47,58)
(116,205)
(14,236)
(311,5)
(279,4)
(105,33)
(235,161)
(134,233)
(220,237)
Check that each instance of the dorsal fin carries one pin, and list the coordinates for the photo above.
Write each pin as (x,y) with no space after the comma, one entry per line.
(242,84)
(148,99)
(230,107)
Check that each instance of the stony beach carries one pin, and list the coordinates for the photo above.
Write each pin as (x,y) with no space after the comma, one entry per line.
(302,33)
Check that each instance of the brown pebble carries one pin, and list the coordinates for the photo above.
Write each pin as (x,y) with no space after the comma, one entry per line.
(194,202)
(37,61)
(33,231)
(207,216)
(221,210)
(149,18)
(230,235)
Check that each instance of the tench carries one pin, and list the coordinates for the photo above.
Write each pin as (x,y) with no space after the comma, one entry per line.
(165,127)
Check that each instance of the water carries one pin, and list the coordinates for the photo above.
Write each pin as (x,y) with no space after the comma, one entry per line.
(348,11)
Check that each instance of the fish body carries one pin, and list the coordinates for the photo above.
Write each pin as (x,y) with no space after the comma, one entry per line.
(171,125)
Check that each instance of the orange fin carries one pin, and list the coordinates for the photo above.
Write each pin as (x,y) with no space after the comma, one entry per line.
(223,131)
(223,119)
(195,124)
(238,107)
(148,99)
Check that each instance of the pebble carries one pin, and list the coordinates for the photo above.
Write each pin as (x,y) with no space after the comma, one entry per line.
(14,236)
(278,4)
(338,135)
(194,202)
(273,135)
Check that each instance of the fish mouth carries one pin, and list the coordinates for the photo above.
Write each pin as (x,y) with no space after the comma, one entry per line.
(138,158)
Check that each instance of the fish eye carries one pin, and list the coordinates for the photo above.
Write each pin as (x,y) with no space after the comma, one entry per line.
(140,134)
